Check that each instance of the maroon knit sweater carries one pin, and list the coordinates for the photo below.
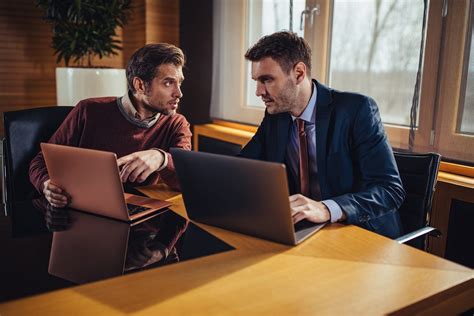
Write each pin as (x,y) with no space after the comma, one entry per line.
(98,123)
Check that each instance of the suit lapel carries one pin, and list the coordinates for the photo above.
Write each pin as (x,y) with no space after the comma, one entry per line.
(323,114)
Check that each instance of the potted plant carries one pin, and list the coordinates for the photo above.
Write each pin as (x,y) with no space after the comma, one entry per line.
(83,29)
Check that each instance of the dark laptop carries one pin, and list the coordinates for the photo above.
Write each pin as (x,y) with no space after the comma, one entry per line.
(239,194)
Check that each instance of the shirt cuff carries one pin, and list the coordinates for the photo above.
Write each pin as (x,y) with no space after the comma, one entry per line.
(335,210)
(165,159)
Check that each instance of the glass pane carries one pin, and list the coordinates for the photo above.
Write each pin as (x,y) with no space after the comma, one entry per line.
(267,17)
(375,51)
(467,119)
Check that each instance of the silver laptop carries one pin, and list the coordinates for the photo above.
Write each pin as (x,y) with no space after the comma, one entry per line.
(239,194)
(92,179)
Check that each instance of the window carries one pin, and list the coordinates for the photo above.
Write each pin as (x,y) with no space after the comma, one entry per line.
(230,20)
(267,17)
(375,51)
(466,113)
(367,46)
(373,47)
(238,24)
(466,123)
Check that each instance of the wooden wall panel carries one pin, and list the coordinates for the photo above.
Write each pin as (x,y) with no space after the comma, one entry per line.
(27,64)
(152,21)
(162,21)
(134,35)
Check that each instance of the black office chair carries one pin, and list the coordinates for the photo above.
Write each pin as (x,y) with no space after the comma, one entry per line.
(418,173)
(24,131)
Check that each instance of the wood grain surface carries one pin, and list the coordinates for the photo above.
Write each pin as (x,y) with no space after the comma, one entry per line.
(340,270)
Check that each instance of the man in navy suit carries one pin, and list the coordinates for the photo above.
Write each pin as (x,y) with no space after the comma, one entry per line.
(353,177)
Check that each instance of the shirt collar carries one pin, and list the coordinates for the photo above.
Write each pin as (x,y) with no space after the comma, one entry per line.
(309,113)
(132,113)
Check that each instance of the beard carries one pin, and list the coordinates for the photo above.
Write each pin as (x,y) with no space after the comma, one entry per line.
(284,101)
(150,108)
(159,107)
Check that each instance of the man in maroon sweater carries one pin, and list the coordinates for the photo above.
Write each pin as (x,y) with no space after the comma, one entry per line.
(139,127)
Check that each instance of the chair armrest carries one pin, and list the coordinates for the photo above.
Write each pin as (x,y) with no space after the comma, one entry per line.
(418,233)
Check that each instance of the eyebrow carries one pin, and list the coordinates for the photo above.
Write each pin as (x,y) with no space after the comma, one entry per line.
(263,77)
(181,79)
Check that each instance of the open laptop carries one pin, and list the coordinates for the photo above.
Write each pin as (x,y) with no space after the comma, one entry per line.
(92,179)
(239,194)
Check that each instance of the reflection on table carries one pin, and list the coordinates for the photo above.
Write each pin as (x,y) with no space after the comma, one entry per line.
(94,248)
(83,247)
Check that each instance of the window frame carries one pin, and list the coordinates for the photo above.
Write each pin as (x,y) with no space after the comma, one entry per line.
(320,41)
(441,86)
(228,97)
(452,85)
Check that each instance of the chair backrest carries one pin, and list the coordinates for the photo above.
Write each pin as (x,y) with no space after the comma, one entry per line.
(418,173)
(24,130)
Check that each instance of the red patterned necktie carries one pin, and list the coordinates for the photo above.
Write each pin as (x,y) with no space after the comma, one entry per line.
(304,169)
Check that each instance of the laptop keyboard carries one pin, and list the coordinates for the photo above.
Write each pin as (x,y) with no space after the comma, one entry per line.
(304,224)
(135,209)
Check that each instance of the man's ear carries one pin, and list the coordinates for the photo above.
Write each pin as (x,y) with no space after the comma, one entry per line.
(139,85)
(300,71)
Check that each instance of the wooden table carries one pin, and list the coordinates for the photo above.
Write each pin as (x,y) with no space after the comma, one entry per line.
(340,270)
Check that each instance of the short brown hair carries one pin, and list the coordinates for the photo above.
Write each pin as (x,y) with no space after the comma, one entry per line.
(285,47)
(145,61)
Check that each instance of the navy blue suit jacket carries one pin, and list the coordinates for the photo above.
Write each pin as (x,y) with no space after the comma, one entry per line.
(356,166)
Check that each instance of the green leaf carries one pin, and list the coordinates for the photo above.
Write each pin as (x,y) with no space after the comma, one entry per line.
(84,26)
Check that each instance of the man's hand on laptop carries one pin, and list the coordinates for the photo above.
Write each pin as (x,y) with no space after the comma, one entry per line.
(56,196)
(306,208)
(137,166)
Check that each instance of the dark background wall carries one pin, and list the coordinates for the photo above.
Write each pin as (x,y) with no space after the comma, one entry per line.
(195,34)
